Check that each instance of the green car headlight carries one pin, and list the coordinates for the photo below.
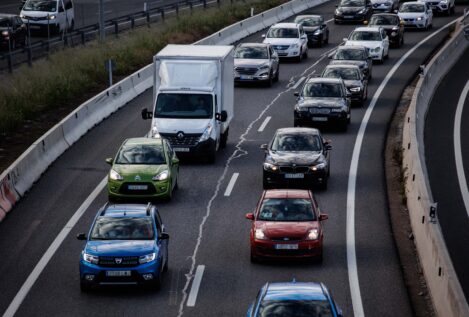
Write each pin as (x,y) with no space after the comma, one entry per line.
(161,176)
(115,176)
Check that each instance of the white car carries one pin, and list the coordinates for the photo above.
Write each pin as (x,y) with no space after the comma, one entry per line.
(288,40)
(416,14)
(57,15)
(384,5)
(441,6)
(373,38)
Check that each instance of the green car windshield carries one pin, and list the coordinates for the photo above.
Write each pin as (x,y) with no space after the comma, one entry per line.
(141,154)
(120,228)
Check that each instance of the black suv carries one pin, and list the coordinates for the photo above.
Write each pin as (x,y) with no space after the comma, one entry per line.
(296,157)
(392,25)
(353,55)
(353,11)
(323,101)
(13,31)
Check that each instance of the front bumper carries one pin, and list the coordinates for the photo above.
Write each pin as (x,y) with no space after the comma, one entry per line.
(414,23)
(289,52)
(259,76)
(154,189)
(314,39)
(307,118)
(357,96)
(267,249)
(282,180)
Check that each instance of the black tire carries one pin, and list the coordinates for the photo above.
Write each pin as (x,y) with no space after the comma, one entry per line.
(170,195)
(224,139)
(324,183)
(343,126)
(85,287)
(326,41)
(268,83)
(401,42)
(296,123)
(212,157)
(305,54)
(254,259)
(166,265)
(300,57)
(158,282)
(176,186)
(277,74)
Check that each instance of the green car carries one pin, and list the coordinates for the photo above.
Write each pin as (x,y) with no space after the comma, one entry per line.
(143,168)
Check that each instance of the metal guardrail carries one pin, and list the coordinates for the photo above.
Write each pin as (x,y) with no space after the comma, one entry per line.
(31,51)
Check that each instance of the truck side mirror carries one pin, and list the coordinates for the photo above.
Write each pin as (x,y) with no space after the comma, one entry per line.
(222,116)
(146,114)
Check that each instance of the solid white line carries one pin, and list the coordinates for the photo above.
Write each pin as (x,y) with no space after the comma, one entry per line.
(231,184)
(195,285)
(352,180)
(457,148)
(32,278)
(299,82)
(264,124)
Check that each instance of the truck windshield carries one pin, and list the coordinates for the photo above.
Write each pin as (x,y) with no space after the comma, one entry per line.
(194,106)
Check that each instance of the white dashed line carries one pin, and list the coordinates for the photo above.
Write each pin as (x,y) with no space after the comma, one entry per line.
(264,124)
(299,82)
(231,184)
(195,286)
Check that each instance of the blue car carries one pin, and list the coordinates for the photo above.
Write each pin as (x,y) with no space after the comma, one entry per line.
(127,245)
(294,299)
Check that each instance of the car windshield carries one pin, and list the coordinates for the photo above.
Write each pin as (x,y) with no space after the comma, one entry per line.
(350,54)
(365,36)
(40,5)
(384,20)
(144,154)
(412,7)
(352,3)
(297,142)
(4,23)
(326,90)
(288,33)
(122,228)
(309,21)
(251,52)
(344,73)
(287,209)
(194,106)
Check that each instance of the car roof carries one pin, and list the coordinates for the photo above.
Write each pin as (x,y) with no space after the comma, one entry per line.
(253,45)
(342,66)
(324,80)
(295,291)
(285,25)
(298,130)
(143,140)
(125,210)
(368,29)
(287,193)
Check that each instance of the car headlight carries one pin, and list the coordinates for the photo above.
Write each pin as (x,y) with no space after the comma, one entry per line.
(419,18)
(259,234)
(395,28)
(294,46)
(52,17)
(319,166)
(270,167)
(154,133)
(206,135)
(147,258)
(317,32)
(90,258)
(355,89)
(5,33)
(115,176)
(313,234)
(338,12)
(361,11)
(264,67)
(161,176)
(376,49)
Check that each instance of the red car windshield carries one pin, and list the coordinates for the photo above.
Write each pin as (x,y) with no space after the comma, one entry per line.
(290,209)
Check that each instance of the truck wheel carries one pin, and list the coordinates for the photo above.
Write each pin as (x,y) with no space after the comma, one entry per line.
(224,139)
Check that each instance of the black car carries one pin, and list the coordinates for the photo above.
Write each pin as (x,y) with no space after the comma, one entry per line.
(315,28)
(392,25)
(296,157)
(353,55)
(323,101)
(353,11)
(13,31)
(353,78)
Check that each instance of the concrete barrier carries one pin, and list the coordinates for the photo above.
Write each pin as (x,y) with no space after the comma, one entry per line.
(443,284)
(269,17)
(284,11)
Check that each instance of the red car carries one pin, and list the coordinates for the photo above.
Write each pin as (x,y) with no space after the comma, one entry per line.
(286,224)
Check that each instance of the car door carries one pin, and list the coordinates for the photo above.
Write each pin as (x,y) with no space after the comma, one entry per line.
(385,39)
(173,163)
(162,243)
(303,39)
(273,59)
(429,14)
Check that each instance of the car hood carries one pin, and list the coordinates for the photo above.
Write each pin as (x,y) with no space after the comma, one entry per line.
(321,102)
(360,64)
(144,172)
(350,9)
(311,29)
(168,125)
(410,15)
(284,158)
(281,41)
(369,44)
(250,62)
(120,247)
(294,230)
(352,83)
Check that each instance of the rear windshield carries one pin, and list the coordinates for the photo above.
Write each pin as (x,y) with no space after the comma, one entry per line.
(141,154)
(350,54)
(291,209)
(283,33)
(252,52)
(40,5)
(322,90)
(297,142)
(120,228)
(344,73)
(365,36)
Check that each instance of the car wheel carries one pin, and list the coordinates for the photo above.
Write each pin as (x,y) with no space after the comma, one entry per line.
(401,42)
(381,60)
(326,41)
(277,74)
(296,123)
(224,139)
(158,282)
(253,258)
(344,126)
(266,185)
(270,81)
(300,57)
(166,265)
(170,194)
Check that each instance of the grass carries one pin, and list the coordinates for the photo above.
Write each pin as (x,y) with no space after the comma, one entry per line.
(72,72)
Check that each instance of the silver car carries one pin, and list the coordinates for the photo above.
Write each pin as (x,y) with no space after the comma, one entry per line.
(256,62)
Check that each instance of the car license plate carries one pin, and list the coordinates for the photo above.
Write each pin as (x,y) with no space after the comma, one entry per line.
(181,149)
(319,118)
(245,77)
(348,16)
(296,175)
(286,246)
(137,187)
(118,273)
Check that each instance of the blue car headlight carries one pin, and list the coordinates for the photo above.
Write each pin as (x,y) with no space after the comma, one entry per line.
(93,259)
(147,258)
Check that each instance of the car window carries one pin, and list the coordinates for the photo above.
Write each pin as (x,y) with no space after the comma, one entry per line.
(352,3)
(344,73)
(290,209)
(309,21)
(40,5)
(251,52)
(283,33)
(412,7)
(158,222)
(350,54)
(122,228)
(287,308)
(297,142)
(141,154)
(384,20)
(194,106)
(325,90)
(365,36)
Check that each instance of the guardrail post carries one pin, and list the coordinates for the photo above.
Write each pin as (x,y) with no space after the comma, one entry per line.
(162,13)
(132,22)
(82,35)
(205,3)
(30,56)
(10,64)
(218,3)
(148,18)
(116,27)
(176,7)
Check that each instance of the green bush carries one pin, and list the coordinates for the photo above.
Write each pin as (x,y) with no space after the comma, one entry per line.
(73,72)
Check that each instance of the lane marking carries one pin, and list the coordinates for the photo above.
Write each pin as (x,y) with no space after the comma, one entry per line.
(231,184)
(195,285)
(352,180)
(457,148)
(32,278)
(299,82)
(264,124)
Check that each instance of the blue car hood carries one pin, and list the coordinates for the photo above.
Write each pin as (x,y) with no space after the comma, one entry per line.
(120,247)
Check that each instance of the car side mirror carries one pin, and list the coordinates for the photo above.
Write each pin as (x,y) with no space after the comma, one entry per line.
(323,217)
(109,160)
(250,216)
(327,145)
(81,236)
(263,36)
(345,39)
(164,236)
(263,147)
(296,94)
(222,116)
(175,160)
(146,114)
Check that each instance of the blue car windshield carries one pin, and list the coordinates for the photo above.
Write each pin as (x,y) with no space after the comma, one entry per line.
(290,209)
(295,308)
(122,228)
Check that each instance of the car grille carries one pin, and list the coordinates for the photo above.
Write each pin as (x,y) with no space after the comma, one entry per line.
(35,18)
(294,169)
(124,189)
(246,70)
(187,139)
(280,47)
(409,20)
(319,110)
(118,261)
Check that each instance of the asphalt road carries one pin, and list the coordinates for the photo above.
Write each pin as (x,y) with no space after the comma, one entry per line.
(200,210)
(441,166)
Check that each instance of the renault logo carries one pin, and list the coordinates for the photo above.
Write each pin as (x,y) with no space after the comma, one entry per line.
(180,135)
(118,260)
(138,178)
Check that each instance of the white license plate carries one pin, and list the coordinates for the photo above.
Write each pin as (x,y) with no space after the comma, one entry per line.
(181,149)
(118,273)
(319,118)
(137,187)
(245,77)
(296,175)
(286,246)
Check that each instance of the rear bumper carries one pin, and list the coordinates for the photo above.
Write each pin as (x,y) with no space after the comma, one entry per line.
(267,249)
(279,179)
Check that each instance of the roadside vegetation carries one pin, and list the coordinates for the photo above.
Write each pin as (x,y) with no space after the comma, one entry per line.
(73,72)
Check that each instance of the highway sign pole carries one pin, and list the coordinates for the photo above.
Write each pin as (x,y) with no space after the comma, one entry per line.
(101,20)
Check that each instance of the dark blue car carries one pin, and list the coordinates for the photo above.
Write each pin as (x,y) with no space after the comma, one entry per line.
(127,245)
(294,299)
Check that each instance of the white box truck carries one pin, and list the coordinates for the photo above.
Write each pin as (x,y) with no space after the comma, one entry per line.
(193,93)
